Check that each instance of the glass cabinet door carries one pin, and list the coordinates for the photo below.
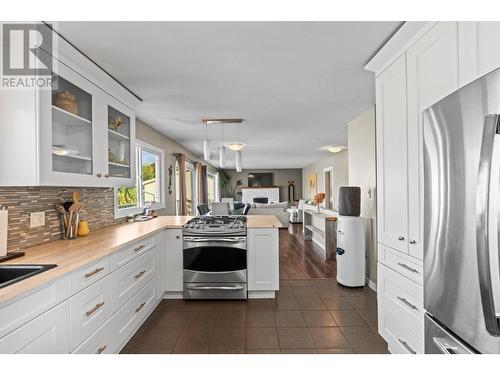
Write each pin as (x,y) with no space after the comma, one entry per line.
(72,128)
(120,133)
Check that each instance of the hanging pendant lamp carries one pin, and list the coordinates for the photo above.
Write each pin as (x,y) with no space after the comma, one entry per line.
(222,151)
(206,149)
(238,153)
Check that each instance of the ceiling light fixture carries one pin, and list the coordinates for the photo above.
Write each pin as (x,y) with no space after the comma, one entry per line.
(222,151)
(336,149)
(238,153)
(236,146)
(206,149)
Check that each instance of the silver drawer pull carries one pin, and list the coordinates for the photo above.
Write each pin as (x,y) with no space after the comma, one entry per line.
(406,267)
(97,270)
(407,347)
(401,238)
(140,274)
(94,309)
(215,287)
(140,307)
(101,349)
(410,305)
(139,248)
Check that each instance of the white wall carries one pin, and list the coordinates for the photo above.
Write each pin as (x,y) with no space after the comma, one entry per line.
(340,175)
(362,173)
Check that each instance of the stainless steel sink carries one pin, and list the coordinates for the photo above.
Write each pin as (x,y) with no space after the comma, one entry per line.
(12,273)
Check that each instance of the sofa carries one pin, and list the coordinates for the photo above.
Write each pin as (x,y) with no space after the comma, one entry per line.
(277,209)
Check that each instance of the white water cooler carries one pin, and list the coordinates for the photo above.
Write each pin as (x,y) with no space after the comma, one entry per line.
(351,251)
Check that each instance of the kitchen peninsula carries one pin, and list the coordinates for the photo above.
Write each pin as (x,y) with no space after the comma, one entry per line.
(104,286)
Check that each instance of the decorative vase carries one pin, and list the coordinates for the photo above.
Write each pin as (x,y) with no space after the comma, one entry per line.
(317,209)
(121,151)
(67,101)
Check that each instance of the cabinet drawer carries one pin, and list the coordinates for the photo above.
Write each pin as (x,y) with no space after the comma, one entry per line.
(401,263)
(89,309)
(399,328)
(15,313)
(100,342)
(46,334)
(129,253)
(401,291)
(127,319)
(89,274)
(131,278)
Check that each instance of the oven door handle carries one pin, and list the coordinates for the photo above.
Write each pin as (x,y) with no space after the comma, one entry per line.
(211,239)
(215,287)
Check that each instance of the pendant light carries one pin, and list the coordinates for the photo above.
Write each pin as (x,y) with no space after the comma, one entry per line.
(222,151)
(238,153)
(206,150)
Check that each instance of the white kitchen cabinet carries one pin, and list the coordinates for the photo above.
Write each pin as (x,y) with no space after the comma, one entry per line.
(173,260)
(64,138)
(392,156)
(478,49)
(46,334)
(262,259)
(432,74)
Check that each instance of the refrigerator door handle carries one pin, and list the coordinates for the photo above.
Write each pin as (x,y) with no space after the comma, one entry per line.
(491,128)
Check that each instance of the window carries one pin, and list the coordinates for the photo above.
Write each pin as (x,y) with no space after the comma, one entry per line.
(212,187)
(149,189)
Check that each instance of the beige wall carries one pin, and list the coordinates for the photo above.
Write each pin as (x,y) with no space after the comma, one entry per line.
(280,179)
(362,173)
(147,134)
(340,175)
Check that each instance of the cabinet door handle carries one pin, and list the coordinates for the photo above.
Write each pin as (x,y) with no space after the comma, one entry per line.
(140,274)
(401,238)
(406,346)
(101,349)
(90,274)
(99,175)
(94,309)
(139,248)
(140,307)
(178,237)
(406,267)
(413,242)
(410,305)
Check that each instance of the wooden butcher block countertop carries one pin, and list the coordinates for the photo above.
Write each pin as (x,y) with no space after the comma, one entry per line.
(70,255)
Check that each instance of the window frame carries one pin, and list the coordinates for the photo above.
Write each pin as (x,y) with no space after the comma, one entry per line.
(139,147)
(215,175)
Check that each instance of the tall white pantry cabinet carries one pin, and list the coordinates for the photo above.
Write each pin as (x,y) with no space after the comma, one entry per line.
(421,64)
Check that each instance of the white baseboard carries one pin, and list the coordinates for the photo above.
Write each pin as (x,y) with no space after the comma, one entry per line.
(261,294)
(173,295)
(371,285)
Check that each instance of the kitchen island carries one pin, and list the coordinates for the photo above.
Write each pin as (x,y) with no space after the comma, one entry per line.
(104,286)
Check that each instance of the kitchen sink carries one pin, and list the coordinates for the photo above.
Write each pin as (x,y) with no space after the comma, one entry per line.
(12,273)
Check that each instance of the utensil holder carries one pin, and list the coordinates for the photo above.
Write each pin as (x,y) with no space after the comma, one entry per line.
(70,230)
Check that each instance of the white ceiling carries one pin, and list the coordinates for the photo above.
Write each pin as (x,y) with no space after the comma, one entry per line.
(296,84)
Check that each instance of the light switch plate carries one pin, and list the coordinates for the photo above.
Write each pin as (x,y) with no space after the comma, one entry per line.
(37,219)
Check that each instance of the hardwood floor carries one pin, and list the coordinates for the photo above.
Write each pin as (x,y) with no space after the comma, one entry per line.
(301,259)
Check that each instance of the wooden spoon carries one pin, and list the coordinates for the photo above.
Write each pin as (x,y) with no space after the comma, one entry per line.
(76,196)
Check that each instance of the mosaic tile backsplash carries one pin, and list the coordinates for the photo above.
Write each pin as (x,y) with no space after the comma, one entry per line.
(20,201)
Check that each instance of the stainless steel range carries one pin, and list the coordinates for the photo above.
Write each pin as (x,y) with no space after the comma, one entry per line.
(215,257)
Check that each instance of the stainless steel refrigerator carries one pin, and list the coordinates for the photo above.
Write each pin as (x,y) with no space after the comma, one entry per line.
(461,220)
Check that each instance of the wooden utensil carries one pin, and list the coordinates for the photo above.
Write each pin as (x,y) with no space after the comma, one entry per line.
(76,196)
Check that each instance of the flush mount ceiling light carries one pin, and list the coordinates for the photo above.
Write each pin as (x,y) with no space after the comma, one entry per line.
(336,149)
(236,146)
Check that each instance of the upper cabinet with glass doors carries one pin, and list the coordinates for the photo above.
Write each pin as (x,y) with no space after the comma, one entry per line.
(79,132)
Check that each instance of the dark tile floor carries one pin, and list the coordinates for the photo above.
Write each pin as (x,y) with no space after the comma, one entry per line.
(308,316)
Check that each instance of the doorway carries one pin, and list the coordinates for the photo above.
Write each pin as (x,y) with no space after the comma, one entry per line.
(329,201)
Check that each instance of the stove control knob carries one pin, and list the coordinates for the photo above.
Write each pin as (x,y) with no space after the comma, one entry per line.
(197,226)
